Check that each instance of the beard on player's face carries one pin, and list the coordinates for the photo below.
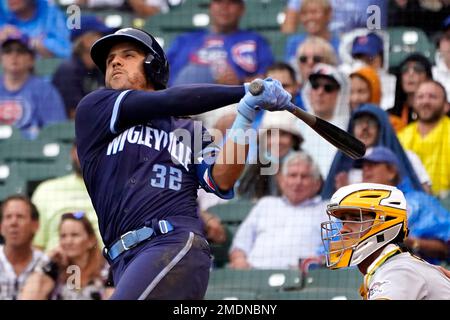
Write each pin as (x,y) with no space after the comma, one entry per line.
(127,80)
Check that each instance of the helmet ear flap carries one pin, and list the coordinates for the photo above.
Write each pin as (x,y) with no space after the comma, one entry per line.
(156,70)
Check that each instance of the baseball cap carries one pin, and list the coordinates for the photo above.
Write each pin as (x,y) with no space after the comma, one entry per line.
(370,44)
(378,154)
(21,38)
(90,23)
(325,70)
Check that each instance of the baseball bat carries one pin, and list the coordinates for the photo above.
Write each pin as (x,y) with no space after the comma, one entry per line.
(339,138)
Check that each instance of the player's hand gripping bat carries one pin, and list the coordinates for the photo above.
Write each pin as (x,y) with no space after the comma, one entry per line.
(342,140)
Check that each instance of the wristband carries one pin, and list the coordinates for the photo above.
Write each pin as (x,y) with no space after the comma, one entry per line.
(237,131)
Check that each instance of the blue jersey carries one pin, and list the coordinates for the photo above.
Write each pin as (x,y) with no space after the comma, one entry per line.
(247,53)
(28,108)
(137,172)
(48,24)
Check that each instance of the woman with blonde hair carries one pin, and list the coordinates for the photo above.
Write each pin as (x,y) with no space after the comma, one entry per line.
(77,269)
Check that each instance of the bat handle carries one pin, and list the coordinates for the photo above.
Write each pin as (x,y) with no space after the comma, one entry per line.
(256,87)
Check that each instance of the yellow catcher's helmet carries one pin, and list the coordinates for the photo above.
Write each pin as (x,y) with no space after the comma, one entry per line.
(349,236)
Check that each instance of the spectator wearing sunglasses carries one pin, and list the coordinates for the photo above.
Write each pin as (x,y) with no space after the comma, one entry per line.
(326,96)
(314,16)
(76,270)
(412,71)
(312,51)
(441,71)
(27,102)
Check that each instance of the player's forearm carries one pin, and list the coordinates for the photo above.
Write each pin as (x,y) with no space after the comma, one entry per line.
(229,165)
(177,101)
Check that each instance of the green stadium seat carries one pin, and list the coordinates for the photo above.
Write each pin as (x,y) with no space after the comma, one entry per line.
(233,211)
(313,294)
(164,38)
(46,67)
(229,294)
(263,15)
(10,182)
(114,18)
(404,41)
(190,16)
(9,133)
(277,41)
(32,151)
(35,173)
(254,279)
(59,132)
(34,161)
(333,279)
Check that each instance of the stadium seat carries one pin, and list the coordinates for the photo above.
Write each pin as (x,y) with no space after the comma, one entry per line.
(313,294)
(10,182)
(46,67)
(189,16)
(164,38)
(255,279)
(59,132)
(277,41)
(334,279)
(233,211)
(404,41)
(263,15)
(34,173)
(32,151)
(9,133)
(229,294)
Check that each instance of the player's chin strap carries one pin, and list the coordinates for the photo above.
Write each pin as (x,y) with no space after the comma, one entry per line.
(132,238)
(390,251)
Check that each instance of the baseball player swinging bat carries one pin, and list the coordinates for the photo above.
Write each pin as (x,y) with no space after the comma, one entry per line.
(342,140)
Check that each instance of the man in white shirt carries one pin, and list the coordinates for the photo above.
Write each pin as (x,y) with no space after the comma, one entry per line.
(19,221)
(281,230)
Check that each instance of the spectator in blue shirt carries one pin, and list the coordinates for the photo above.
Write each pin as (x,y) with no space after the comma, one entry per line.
(224,54)
(41,20)
(26,101)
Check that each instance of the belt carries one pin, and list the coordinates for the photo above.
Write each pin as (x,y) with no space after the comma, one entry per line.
(132,238)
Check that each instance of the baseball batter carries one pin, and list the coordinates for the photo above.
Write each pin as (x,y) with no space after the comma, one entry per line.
(142,169)
(367,226)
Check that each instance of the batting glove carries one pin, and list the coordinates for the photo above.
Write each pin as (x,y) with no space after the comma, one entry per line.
(272,98)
